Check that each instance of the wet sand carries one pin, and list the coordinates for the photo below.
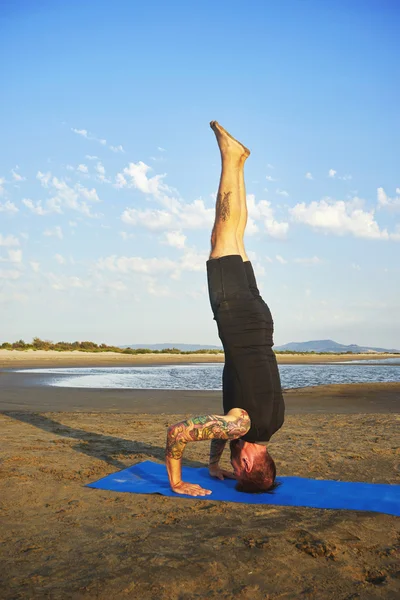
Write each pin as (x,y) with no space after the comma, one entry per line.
(61,540)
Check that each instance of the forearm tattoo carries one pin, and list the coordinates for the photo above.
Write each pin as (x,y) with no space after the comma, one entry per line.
(216,450)
(223,208)
(206,427)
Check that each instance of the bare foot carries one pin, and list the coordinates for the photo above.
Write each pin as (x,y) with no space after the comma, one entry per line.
(227,144)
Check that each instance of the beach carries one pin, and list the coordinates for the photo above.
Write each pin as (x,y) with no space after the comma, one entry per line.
(60,539)
(14,359)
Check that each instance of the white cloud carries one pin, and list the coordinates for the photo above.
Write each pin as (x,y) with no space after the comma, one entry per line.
(17,176)
(275,229)
(114,286)
(355,267)
(2,182)
(91,157)
(117,148)
(385,202)
(8,240)
(55,232)
(191,260)
(126,236)
(8,207)
(281,260)
(65,196)
(262,211)
(269,166)
(136,175)
(160,149)
(332,173)
(9,274)
(139,179)
(340,218)
(268,259)
(269,178)
(155,289)
(60,259)
(120,181)
(37,208)
(72,223)
(196,215)
(282,193)
(136,264)
(35,266)
(382,197)
(82,132)
(176,239)
(153,220)
(61,283)
(101,173)
(259,269)
(186,216)
(309,175)
(89,136)
(82,168)
(15,256)
(44,178)
(86,193)
(308,261)
(85,133)
(346,177)
(178,215)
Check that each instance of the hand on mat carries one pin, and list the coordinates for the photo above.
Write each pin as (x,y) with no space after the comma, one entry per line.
(216,471)
(191,489)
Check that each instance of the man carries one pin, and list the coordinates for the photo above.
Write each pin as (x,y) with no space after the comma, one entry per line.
(252,394)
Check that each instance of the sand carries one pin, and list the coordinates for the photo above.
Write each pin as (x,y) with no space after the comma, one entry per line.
(13,359)
(61,540)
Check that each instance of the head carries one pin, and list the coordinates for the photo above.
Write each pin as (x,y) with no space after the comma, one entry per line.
(254,468)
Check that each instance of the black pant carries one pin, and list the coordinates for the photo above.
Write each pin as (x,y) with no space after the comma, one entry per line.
(251,377)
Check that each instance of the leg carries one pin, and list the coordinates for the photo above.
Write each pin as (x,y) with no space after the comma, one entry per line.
(243,215)
(228,208)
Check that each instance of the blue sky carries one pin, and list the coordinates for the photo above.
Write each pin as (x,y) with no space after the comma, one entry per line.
(109,169)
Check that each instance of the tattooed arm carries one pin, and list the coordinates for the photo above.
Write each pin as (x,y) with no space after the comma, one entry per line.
(216,450)
(207,427)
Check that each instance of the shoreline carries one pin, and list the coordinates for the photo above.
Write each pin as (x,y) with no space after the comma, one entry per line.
(26,392)
(13,359)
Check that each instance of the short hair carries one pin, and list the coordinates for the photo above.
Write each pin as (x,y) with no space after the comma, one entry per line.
(261,478)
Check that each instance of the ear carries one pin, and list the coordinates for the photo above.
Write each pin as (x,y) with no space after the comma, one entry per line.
(247,464)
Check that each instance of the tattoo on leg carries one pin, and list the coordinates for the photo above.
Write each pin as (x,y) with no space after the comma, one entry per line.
(223,208)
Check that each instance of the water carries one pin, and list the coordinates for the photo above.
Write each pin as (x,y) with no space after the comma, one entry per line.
(208,376)
(375,361)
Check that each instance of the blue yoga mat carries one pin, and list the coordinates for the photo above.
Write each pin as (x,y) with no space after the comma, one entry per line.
(151,478)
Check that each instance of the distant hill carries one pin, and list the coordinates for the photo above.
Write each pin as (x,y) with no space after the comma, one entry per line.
(184,347)
(328,346)
(313,346)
